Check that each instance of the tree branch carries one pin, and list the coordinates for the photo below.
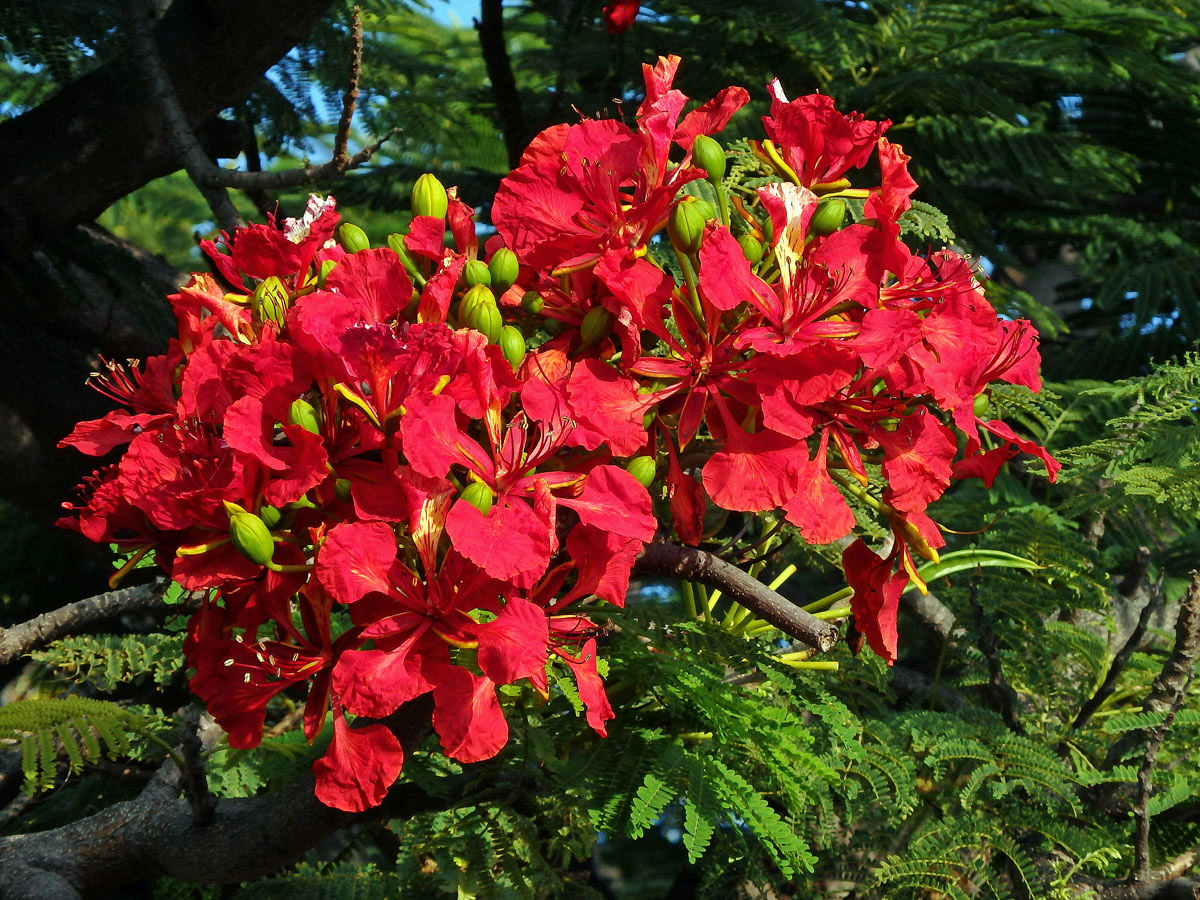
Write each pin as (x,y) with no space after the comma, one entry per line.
(98,138)
(86,614)
(211,179)
(157,84)
(1175,676)
(490,26)
(1123,655)
(156,834)
(701,566)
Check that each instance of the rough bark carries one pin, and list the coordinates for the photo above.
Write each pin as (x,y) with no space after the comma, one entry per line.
(97,139)
(157,834)
(674,561)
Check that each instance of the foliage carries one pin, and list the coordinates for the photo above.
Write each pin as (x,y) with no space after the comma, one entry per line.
(1057,137)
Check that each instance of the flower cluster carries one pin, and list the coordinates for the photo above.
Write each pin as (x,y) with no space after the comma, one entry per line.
(409,470)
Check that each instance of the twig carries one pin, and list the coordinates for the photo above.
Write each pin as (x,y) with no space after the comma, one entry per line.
(1175,676)
(701,566)
(192,778)
(158,85)
(1141,812)
(1122,657)
(211,179)
(1002,696)
(930,612)
(350,97)
(86,614)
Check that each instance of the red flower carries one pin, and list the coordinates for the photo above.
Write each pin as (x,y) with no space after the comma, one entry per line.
(619,15)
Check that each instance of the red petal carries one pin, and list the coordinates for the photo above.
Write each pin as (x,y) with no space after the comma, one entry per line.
(355,560)
(916,464)
(513,645)
(876,597)
(512,539)
(608,405)
(467,716)
(359,767)
(603,562)
(591,688)
(614,501)
(754,472)
(818,508)
(375,682)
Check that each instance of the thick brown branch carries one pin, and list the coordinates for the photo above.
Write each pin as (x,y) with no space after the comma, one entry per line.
(156,834)
(674,561)
(490,26)
(98,138)
(86,614)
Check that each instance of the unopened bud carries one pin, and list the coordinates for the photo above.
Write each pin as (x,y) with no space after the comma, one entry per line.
(270,301)
(686,224)
(479,495)
(532,303)
(708,155)
(475,272)
(504,268)
(486,319)
(270,515)
(250,535)
(352,238)
(596,326)
(512,345)
(323,272)
(643,469)
(341,489)
(429,197)
(752,248)
(304,414)
(981,404)
(828,216)
(472,299)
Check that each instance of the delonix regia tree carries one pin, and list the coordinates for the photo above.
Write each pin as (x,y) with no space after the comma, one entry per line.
(404,492)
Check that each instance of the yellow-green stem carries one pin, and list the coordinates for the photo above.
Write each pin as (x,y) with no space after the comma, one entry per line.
(839,613)
(689,598)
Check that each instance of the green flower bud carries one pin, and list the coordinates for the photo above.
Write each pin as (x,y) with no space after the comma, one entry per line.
(643,469)
(250,534)
(270,515)
(709,156)
(270,301)
(686,224)
(752,248)
(475,272)
(504,268)
(305,415)
(981,404)
(352,238)
(323,272)
(429,197)
(532,303)
(478,295)
(828,216)
(397,245)
(486,319)
(512,345)
(341,488)
(479,495)
(596,326)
